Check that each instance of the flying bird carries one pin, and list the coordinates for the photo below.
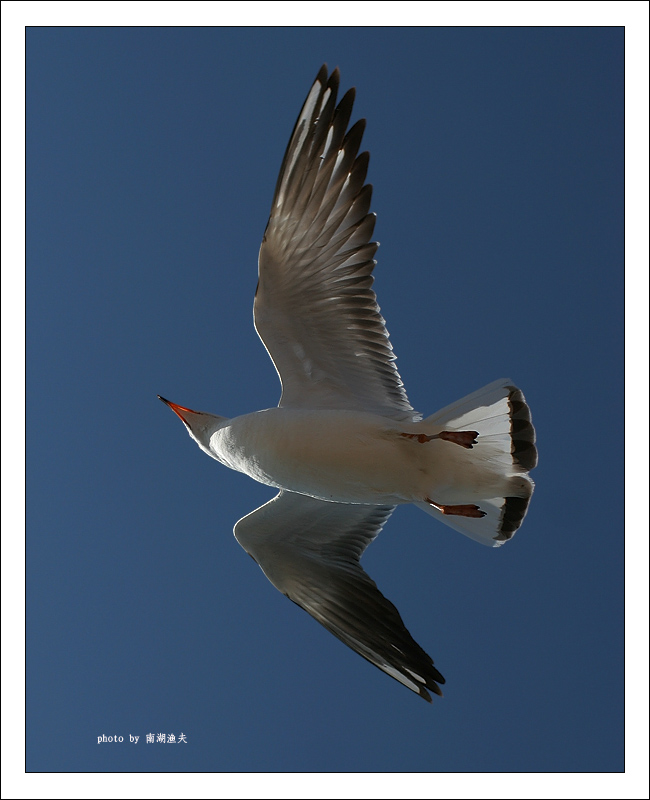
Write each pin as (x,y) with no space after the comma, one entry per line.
(344,447)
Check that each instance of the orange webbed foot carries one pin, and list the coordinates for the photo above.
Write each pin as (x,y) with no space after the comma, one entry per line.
(469,510)
(465,439)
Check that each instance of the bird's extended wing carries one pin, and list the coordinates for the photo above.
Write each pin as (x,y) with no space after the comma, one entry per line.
(315,309)
(310,550)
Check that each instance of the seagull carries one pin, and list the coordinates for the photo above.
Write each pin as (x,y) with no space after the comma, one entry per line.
(344,447)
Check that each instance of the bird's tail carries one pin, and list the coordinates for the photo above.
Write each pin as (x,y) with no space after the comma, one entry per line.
(504,452)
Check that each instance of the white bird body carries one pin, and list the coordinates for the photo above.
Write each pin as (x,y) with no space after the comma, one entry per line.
(332,455)
(352,457)
(345,446)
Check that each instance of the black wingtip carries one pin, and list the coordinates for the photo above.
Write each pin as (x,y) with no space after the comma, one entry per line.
(334,81)
(349,97)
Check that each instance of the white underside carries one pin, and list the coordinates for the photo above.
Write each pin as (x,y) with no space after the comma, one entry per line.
(356,457)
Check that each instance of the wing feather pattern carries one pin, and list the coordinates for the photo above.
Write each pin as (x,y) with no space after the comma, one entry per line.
(310,550)
(315,309)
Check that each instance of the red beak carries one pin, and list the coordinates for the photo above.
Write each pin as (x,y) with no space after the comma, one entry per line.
(178,410)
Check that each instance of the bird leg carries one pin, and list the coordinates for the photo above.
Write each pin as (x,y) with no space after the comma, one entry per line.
(465,439)
(458,511)
(421,437)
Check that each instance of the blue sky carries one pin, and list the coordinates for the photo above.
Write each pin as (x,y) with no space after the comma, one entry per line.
(152,155)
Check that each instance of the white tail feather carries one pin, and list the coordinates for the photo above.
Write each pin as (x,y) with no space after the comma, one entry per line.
(505,449)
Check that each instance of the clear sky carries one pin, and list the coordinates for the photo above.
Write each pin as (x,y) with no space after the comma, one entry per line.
(152,156)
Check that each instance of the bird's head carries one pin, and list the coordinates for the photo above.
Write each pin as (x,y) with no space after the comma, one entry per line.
(200,425)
